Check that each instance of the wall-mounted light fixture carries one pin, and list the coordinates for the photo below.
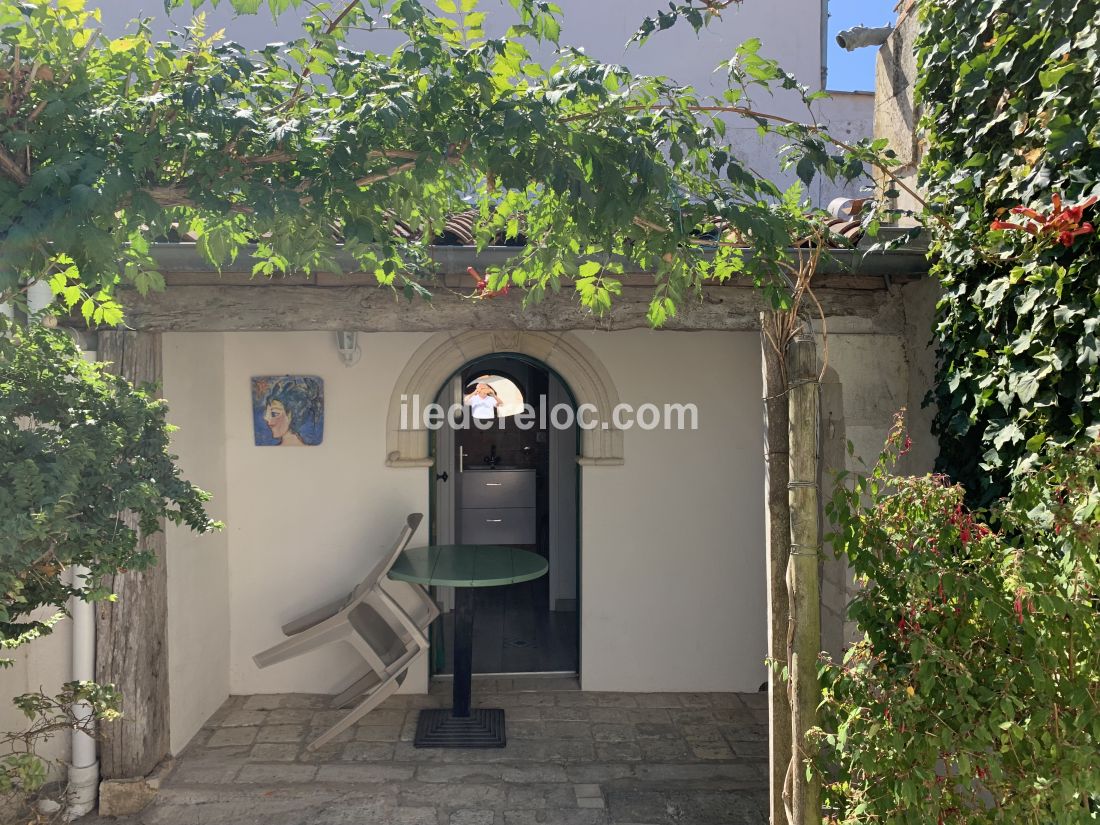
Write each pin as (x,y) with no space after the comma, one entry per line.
(347,342)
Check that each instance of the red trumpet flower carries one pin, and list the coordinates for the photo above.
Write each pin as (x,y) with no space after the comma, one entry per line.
(480,285)
(1063,224)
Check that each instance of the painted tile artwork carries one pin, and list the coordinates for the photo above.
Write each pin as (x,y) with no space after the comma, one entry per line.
(288,410)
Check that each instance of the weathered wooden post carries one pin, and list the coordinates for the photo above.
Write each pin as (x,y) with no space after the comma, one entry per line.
(802,796)
(131,633)
(777,533)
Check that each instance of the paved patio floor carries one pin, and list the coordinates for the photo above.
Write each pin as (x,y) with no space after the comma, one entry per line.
(573,758)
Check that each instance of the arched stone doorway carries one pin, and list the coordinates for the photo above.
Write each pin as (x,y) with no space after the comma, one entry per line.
(445,353)
(511,481)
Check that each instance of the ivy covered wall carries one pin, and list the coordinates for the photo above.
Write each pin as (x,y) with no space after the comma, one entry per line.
(1010,91)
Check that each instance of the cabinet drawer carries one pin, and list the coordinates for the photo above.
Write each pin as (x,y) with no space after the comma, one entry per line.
(494,525)
(498,488)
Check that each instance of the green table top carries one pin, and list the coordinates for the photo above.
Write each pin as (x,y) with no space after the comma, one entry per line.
(467,565)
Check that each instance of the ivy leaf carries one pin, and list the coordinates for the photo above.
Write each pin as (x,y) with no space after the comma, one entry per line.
(1036,442)
(1008,435)
(1025,385)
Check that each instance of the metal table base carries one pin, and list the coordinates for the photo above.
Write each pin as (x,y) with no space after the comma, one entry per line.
(458,726)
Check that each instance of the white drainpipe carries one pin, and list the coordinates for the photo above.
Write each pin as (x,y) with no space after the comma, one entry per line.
(39,296)
(83,766)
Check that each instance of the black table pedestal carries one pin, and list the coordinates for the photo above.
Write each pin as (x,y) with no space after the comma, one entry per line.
(439,728)
(458,726)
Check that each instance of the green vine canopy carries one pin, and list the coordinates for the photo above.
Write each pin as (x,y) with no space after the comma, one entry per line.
(110,144)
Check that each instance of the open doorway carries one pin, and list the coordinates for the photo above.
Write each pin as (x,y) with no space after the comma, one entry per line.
(507,475)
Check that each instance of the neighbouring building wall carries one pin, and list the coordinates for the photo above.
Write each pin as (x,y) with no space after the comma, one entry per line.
(790,31)
(847,116)
(198,565)
(896,114)
(672,546)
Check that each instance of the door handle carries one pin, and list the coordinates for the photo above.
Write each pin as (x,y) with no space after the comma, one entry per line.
(461,458)
(493,520)
(494,483)
(441,476)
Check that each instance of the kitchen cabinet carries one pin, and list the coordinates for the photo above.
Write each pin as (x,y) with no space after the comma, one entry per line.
(497,506)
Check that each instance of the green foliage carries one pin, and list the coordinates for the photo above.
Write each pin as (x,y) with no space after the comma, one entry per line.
(111,144)
(1012,118)
(78,706)
(973,695)
(84,466)
(697,14)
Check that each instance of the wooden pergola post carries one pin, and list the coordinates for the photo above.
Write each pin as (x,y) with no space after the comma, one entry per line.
(777,533)
(131,633)
(802,796)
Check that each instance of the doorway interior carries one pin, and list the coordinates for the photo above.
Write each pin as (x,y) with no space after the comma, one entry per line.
(508,480)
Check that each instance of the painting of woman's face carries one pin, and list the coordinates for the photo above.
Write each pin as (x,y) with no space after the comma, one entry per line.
(483,390)
(277,418)
(288,410)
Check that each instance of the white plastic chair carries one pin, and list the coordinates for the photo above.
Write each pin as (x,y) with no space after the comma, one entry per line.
(388,635)
(317,628)
(389,655)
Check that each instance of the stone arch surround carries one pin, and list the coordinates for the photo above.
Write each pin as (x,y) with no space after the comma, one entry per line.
(447,352)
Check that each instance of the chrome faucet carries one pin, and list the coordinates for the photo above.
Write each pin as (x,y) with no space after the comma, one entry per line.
(492,458)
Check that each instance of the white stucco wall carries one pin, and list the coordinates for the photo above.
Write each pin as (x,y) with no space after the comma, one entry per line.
(305,525)
(672,554)
(43,665)
(848,116)
(672,561)
(672,557)
(198,565)
(672,542)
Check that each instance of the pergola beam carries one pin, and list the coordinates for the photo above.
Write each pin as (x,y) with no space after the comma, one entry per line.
(851,284)
(210,308)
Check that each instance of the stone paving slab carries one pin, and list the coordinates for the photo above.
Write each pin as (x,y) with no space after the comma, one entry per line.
(573,758)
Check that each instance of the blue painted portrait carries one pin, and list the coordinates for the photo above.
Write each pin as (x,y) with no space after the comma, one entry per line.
(288,410)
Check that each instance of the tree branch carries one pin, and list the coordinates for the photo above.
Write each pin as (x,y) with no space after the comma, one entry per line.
(10,167)
(389,173)
(174,195)
(283,155)
(168,196)
(336,21)
(404,167)
(64,76)
(332,26)
(753,113)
